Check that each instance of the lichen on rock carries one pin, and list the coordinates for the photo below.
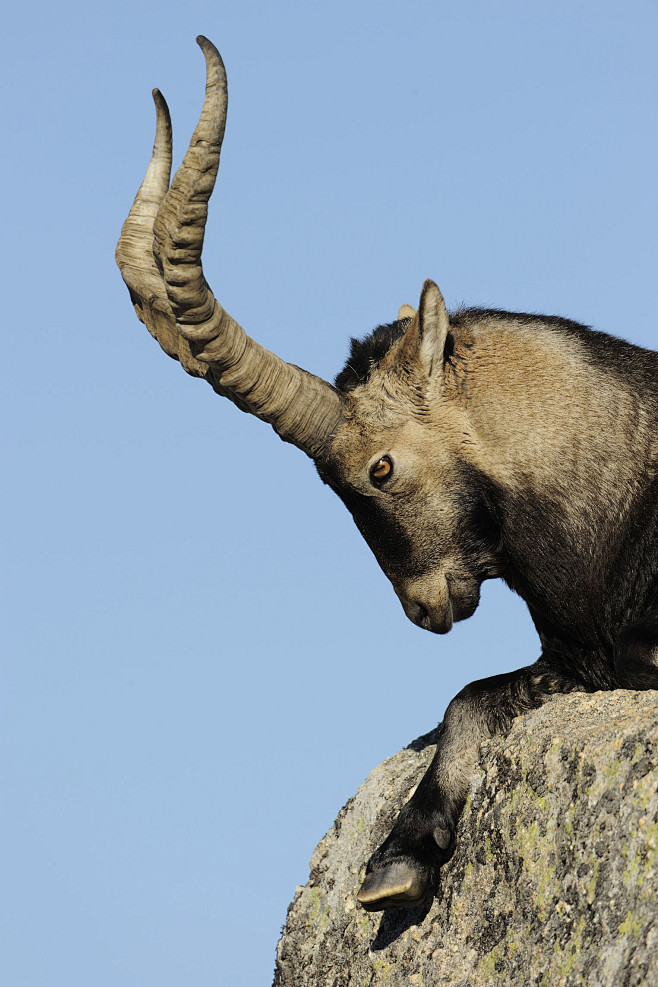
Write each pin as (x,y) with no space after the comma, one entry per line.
(554,880)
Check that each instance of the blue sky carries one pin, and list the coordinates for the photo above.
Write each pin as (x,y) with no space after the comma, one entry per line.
(203,659)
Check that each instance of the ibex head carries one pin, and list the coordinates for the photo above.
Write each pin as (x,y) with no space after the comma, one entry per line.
(390,437)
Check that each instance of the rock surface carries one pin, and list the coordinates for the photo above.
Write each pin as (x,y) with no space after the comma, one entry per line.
(554,880)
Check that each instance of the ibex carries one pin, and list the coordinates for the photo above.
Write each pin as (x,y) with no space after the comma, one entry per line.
(466,446)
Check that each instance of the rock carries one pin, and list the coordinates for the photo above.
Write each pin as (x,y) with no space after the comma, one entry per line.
(554,880)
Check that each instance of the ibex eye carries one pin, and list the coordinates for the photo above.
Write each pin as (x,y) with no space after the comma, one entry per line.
(381,470)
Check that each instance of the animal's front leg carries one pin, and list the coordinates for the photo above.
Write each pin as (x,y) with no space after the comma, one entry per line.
(404,870)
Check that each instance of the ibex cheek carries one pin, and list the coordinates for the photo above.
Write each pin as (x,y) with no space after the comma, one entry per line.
(426,602)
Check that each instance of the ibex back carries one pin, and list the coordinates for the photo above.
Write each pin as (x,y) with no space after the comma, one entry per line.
(466,446)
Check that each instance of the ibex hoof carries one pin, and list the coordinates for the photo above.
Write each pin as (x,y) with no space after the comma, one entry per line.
(396,885)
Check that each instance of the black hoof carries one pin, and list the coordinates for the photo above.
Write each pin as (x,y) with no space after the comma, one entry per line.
(396,885)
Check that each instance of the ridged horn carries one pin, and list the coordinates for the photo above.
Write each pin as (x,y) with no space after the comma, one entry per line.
(159,255)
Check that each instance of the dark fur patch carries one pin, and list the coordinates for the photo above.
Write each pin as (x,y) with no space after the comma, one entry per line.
(366,354)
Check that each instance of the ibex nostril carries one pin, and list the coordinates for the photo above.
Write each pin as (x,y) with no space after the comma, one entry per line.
(421,615)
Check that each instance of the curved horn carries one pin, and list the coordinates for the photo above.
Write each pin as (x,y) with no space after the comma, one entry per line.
(159,255)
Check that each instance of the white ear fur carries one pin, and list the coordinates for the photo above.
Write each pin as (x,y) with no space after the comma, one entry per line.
(433,326)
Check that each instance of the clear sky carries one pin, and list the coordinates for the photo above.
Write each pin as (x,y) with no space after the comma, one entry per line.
(203,660)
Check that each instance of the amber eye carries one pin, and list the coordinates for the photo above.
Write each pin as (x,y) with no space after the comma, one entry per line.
(381,470)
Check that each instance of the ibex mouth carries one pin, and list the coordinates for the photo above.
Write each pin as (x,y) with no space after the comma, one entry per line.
(436,601)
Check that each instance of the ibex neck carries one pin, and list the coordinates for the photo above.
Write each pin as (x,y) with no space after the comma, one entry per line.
(566,434)
(553,417)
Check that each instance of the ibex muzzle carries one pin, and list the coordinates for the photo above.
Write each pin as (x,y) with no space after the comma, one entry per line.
(465,446)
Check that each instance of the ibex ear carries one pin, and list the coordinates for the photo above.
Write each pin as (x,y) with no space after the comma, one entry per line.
(433,327)
(406,312)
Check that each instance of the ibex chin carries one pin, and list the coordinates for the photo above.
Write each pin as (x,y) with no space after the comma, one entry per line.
(466,446)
